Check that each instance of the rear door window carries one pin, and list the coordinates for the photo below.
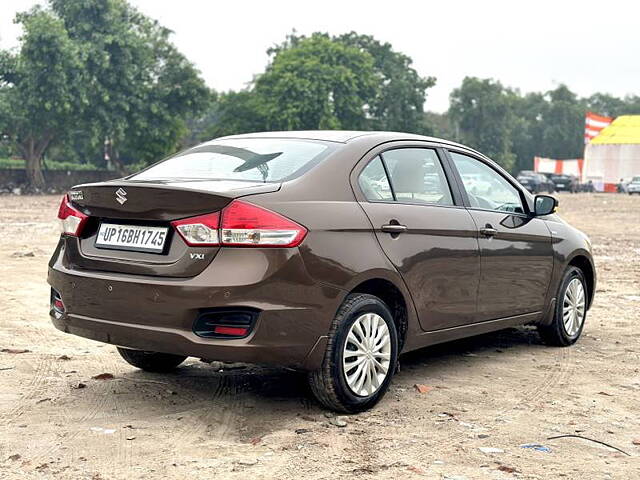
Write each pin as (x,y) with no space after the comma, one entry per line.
(417,176)
(374,182)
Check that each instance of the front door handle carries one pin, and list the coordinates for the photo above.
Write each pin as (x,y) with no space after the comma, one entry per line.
(393,228)
(488,231)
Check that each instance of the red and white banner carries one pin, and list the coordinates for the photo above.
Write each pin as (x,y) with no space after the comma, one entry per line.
(593,124)
(551,165)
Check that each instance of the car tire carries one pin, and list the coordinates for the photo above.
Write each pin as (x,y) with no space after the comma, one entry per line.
(335,384)
(565,330)
(151,361)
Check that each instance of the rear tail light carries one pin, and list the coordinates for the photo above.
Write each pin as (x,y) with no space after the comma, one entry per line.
(246,224)
(56,302)
(241,224)
(199,231)
(72,220)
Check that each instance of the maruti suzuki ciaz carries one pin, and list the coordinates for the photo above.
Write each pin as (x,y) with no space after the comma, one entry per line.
(331,252)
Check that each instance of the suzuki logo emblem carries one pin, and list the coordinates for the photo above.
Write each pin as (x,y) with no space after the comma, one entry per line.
(121,196)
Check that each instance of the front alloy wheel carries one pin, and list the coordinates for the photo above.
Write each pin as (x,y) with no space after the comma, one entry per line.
(570,310)
(574,306)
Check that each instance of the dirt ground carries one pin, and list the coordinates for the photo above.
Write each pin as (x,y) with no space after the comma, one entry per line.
(499,391)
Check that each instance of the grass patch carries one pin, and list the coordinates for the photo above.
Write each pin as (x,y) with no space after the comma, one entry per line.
(17,163)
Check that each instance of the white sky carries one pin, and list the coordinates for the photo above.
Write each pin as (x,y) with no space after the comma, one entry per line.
(532,45)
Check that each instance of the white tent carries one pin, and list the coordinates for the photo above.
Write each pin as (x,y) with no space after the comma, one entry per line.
(614,154)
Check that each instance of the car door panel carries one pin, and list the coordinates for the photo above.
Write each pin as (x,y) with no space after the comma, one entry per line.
(437,256)
(516,264)
(516,253)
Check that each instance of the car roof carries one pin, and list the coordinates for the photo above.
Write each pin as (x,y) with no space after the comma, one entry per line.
(343,136)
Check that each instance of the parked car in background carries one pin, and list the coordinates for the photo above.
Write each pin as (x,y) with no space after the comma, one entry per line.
(564,183)
(535,182)
(330,252)
(634,185)
(586,187)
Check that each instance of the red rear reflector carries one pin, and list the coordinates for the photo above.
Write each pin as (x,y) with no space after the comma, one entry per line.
(58,305)
(72,220)
(235,331)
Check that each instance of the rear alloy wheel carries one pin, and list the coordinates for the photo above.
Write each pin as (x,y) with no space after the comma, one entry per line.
(151,361)
(361,356)
(570,311)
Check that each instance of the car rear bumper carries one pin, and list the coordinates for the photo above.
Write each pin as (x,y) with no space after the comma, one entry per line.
(157,314)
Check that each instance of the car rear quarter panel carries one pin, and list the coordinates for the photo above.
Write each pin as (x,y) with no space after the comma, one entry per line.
(341,249)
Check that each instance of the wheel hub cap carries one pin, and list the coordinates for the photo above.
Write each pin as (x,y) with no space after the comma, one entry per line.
(573,307)
(367,353)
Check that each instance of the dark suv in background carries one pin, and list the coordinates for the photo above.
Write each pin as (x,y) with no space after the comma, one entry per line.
(535,182)
(564,183)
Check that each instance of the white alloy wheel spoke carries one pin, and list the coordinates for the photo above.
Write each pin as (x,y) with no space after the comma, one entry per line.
(573,307)
(366,356)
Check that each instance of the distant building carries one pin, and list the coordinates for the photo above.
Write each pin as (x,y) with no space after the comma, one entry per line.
(613,154)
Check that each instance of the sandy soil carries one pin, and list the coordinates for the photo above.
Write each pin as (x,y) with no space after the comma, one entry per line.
(500,390)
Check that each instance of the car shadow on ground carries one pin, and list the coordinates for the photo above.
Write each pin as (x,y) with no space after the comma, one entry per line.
(284,388)
(253,401)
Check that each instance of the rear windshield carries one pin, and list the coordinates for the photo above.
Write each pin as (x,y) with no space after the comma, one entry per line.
(250,159)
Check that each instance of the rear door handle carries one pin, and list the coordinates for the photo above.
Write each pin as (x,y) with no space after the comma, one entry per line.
(488,231)
(393,228)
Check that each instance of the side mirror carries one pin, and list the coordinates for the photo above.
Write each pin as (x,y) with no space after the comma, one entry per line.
(545,205)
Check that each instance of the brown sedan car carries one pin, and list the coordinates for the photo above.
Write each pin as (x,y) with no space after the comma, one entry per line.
(331,252)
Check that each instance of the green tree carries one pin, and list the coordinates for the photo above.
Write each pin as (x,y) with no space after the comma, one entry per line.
(563,122)
(317,83)
(42,89)
(605,104)
(438,125)
(235,112)
(528,128)
(399,101)
(142,89)
(482,112)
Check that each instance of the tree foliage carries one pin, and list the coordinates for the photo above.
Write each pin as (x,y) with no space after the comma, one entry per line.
(41,87)
(513,128)
(401,92)
(143,89)
(350,81)
(96,76)
(316,83)
(90,71)
(483,112)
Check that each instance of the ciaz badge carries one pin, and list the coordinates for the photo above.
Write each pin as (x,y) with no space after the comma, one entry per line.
(75,195)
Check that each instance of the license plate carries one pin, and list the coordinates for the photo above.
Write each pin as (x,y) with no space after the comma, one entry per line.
(131,237)
(559,184)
